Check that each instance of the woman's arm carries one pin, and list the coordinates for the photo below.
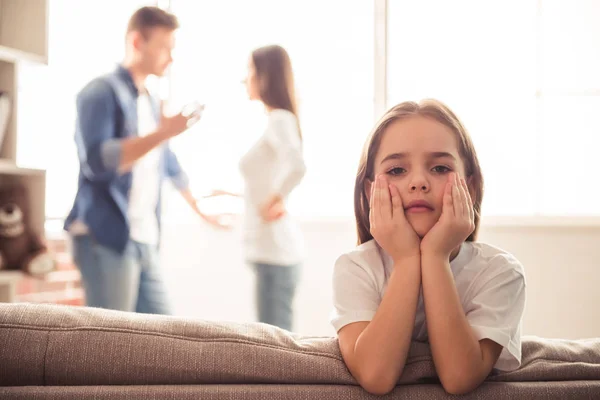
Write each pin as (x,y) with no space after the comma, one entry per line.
(283,137)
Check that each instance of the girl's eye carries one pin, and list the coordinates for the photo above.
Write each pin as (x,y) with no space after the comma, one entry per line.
(441,169)
(396,171)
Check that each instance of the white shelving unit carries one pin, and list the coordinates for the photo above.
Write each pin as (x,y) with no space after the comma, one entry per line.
(23,37)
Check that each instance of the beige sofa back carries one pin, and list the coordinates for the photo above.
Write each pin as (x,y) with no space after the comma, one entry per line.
(61,346)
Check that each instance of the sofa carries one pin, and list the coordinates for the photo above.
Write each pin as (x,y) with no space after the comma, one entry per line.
(65,352)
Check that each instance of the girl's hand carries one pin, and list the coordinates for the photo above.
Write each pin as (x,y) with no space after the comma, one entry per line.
(389,225)
(456,223)
(273,209)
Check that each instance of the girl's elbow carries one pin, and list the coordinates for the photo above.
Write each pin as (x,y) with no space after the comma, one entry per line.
(377,382)
(459,384)
(377,387)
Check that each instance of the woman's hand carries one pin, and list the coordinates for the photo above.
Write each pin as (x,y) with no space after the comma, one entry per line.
(273,208)
(389,225)
(456,223)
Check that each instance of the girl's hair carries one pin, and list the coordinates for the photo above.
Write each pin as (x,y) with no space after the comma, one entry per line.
(428,108)
(276,78)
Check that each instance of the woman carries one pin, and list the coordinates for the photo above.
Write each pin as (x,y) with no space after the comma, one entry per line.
(271,170)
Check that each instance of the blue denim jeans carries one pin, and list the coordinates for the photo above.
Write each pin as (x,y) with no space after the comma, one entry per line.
(128,282)
(275,290)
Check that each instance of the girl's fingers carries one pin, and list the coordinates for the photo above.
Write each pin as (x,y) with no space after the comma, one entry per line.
(397,207)
(448,207)
(468,201)
(372,209)
(378,197)
(372,194)
(456,200)
(385,199)
(461,198)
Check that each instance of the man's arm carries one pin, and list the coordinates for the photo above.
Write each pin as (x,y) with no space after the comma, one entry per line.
(102,154)
(98,147)
(132,149)
(181,181)
(174,171)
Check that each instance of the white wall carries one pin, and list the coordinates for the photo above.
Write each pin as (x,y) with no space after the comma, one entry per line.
(562,265)
(208,279)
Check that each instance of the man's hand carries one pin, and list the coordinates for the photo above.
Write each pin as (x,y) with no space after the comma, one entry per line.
(178,123)
(218,221)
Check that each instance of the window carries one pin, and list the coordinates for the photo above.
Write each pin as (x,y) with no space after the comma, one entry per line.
(569,106)
(522,75)
(331,47)
(86,39)
(465,54)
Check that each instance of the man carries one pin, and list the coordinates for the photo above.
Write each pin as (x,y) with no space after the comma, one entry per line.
(123,146)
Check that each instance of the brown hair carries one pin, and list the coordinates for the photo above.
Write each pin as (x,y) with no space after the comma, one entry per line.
(146,18)
(428,108)
(276,78)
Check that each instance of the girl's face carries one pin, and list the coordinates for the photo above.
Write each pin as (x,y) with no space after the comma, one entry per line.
(252,84)
(416,155)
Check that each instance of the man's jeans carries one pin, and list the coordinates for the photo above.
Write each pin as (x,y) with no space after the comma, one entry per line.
(128,282)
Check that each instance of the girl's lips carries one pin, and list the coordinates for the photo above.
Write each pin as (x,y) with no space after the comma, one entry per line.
(419,206)
(418,209)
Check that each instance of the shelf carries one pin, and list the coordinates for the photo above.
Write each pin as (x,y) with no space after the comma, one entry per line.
(12,55)
(10,168)
(9,277)
(23,37)
(24,30)
(34,180)
(8,84)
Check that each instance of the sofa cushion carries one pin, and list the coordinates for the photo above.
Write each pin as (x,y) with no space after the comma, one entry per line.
(61,345)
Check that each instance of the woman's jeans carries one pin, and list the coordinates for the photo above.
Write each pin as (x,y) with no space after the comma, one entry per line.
(275,290)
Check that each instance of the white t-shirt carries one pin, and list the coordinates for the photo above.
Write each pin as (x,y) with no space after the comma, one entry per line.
(490,283)
(274,165)
(143,197)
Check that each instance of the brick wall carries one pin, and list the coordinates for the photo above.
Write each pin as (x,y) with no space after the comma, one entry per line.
(62,286)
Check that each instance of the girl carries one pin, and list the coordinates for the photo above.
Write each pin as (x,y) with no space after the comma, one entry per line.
(271,169)
(418,273)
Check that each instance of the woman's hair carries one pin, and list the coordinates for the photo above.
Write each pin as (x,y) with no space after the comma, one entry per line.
(436,111)
(276,78)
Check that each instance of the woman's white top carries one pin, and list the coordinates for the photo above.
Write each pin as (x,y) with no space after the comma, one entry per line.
(274,165)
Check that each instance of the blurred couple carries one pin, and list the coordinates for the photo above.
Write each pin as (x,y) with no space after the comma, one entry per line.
(122,139)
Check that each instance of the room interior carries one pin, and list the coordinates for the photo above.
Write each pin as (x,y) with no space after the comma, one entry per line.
(541,205)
